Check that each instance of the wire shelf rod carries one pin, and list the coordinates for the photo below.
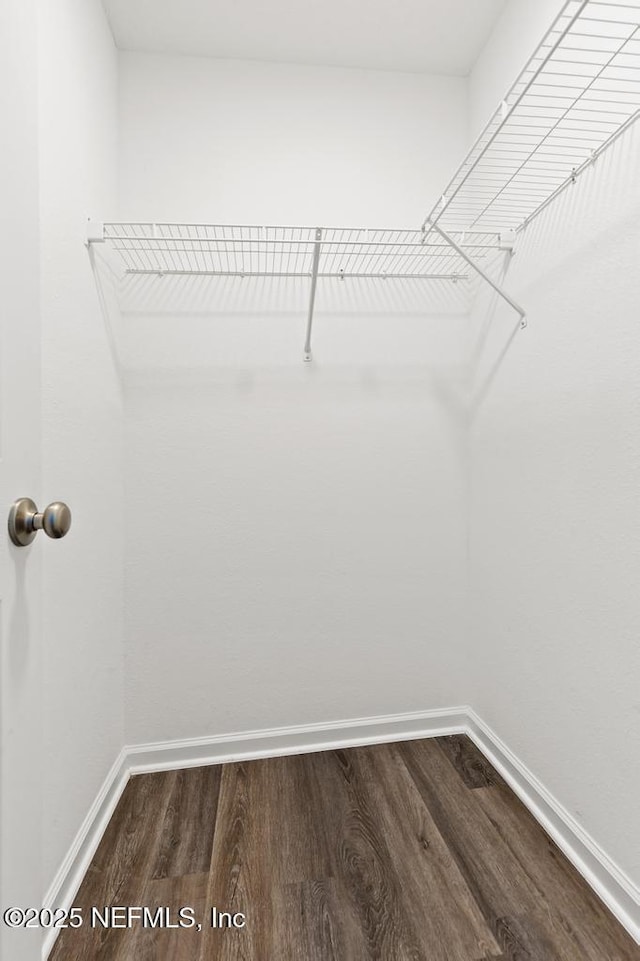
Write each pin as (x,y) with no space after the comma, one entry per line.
(159,243)
(340,275)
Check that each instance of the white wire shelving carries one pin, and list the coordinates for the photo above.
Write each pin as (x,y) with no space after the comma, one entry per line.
(315,253)
(251,251)
(577,94)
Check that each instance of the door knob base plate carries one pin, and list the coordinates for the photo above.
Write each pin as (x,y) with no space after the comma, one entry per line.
(21,515)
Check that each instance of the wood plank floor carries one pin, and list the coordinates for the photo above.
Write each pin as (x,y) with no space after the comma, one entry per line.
(400,852)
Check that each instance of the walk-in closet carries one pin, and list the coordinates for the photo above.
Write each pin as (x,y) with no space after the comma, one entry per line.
(320,454)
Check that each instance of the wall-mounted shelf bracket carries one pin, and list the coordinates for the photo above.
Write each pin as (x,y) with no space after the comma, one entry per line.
(95,232)
(507,240)
(312,296)
(472,263)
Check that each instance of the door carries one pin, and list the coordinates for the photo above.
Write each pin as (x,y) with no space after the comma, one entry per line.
(20,455)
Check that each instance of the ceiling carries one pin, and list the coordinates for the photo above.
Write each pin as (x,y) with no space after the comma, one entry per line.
(426,36)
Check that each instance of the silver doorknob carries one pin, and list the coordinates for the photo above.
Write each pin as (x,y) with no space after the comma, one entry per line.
(25,521)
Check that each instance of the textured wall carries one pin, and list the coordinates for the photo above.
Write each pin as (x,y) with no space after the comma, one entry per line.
(223,141)
(555,534)
(317,574)
(515,36)
(82,421)
(555,538)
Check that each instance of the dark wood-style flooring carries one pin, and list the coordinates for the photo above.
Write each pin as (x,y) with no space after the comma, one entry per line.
(400,852)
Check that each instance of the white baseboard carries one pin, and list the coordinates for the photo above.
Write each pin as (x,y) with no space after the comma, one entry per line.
(67,881)
(615,889)
(250,745)
(610,883)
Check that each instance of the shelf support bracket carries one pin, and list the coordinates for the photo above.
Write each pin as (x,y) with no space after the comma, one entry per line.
(312,297)
(95,232)
(498,289)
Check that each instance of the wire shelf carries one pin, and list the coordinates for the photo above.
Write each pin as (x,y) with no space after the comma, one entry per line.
(577,94)
(250,251)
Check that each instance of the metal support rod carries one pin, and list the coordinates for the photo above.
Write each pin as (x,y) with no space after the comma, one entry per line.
(312,296)
(498,289)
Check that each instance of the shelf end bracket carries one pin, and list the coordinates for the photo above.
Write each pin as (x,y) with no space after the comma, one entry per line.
(95,232)
(312,296)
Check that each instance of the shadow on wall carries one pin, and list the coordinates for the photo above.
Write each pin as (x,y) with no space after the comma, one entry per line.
(377,332)
(106,280)
(584,223)
(484,329)
(207,294)
(586,214)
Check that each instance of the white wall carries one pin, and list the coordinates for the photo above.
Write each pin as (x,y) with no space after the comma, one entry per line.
(223,141)
(555,542)
(555,534)
(82,421)
(296,533)
(514,38)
